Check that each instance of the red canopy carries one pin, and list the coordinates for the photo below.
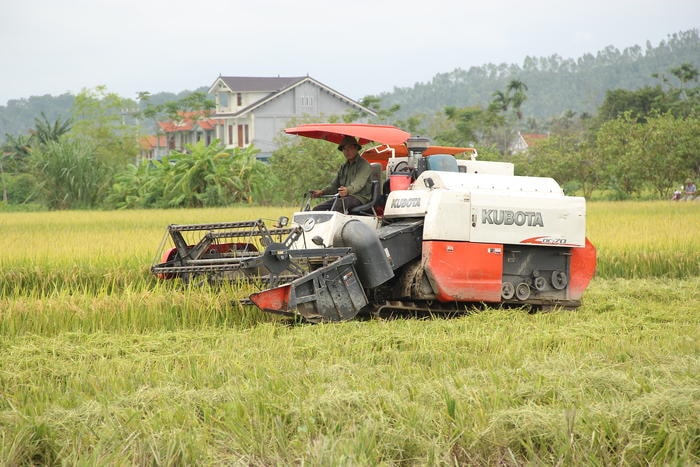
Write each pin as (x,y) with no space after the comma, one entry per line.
(364,133)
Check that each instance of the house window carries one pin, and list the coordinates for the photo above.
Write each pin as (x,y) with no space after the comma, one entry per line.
(306,101)
(243,136)
(223,99)
(230,134)
(239,98)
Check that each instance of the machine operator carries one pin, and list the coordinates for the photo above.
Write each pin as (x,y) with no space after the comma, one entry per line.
(352,182)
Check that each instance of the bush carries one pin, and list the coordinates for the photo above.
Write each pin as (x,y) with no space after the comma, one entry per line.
(21,188)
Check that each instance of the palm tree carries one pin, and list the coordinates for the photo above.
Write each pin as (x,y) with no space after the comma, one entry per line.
(512,98)
(44,131)
(685,74)
(500,102)
(516,92)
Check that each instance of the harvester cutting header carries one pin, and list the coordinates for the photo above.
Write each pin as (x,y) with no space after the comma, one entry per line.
(440,233)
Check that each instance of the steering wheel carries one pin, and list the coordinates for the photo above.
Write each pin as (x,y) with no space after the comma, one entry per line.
(306,201)
(396,168)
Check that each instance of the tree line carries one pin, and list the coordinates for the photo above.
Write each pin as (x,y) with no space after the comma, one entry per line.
(640,143)
(555,85)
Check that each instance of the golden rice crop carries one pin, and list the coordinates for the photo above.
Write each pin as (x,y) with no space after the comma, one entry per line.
(103,251)
(57,262)
(96,251)
(646,239)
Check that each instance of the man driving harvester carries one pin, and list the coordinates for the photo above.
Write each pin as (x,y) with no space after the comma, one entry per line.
(352,183)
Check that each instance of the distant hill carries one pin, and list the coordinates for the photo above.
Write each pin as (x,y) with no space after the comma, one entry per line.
(17,117)
(555,85)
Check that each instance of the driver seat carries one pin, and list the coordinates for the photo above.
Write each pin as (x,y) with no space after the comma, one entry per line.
(368,209)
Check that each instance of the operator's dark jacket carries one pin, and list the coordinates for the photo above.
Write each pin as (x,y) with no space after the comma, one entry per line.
(355,177)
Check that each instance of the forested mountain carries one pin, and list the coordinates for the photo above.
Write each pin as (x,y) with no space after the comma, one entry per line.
(554,84)
(17,117)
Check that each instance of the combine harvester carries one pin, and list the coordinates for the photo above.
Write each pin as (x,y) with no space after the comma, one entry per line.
(439,235)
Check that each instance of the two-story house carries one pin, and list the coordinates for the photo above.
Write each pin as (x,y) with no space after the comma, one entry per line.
(255,110)
(251,110)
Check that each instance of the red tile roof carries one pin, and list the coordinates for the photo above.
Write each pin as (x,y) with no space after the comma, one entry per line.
(188,122)
(532,138)
(149,142)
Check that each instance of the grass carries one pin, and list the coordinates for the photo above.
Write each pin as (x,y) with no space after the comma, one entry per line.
(101,365)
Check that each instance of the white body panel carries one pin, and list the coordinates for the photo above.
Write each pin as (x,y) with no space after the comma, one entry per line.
(328,225)
(407,203)
(488,208)
(486,167)
(490,183)
(466,166)
(528,221)
(448,216)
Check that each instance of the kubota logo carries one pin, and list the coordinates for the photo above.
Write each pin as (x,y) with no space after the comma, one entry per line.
(506,217)
(405,203)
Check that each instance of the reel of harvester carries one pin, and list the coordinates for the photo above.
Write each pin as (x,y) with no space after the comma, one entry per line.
(227,251)
(246,252)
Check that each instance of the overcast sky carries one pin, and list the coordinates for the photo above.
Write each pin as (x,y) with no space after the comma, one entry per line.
(356,47)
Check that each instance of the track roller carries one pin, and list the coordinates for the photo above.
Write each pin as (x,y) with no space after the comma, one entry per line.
(507,290)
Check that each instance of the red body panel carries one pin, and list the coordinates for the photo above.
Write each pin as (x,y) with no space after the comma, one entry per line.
(168,255)
(399,182)
(581,269)
(275,300)
(464,271)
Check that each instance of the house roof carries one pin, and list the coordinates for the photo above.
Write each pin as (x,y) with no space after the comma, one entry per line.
(532,138)
(188,121)
(149,142)
(258,83)
(275,87)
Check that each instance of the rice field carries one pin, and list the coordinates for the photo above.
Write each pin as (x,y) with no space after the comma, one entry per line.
(103,365)
(646,239)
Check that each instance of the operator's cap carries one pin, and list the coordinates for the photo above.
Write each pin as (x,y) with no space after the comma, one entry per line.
(348,140)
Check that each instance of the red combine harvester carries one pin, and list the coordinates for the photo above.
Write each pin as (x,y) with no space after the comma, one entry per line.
(440,233)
